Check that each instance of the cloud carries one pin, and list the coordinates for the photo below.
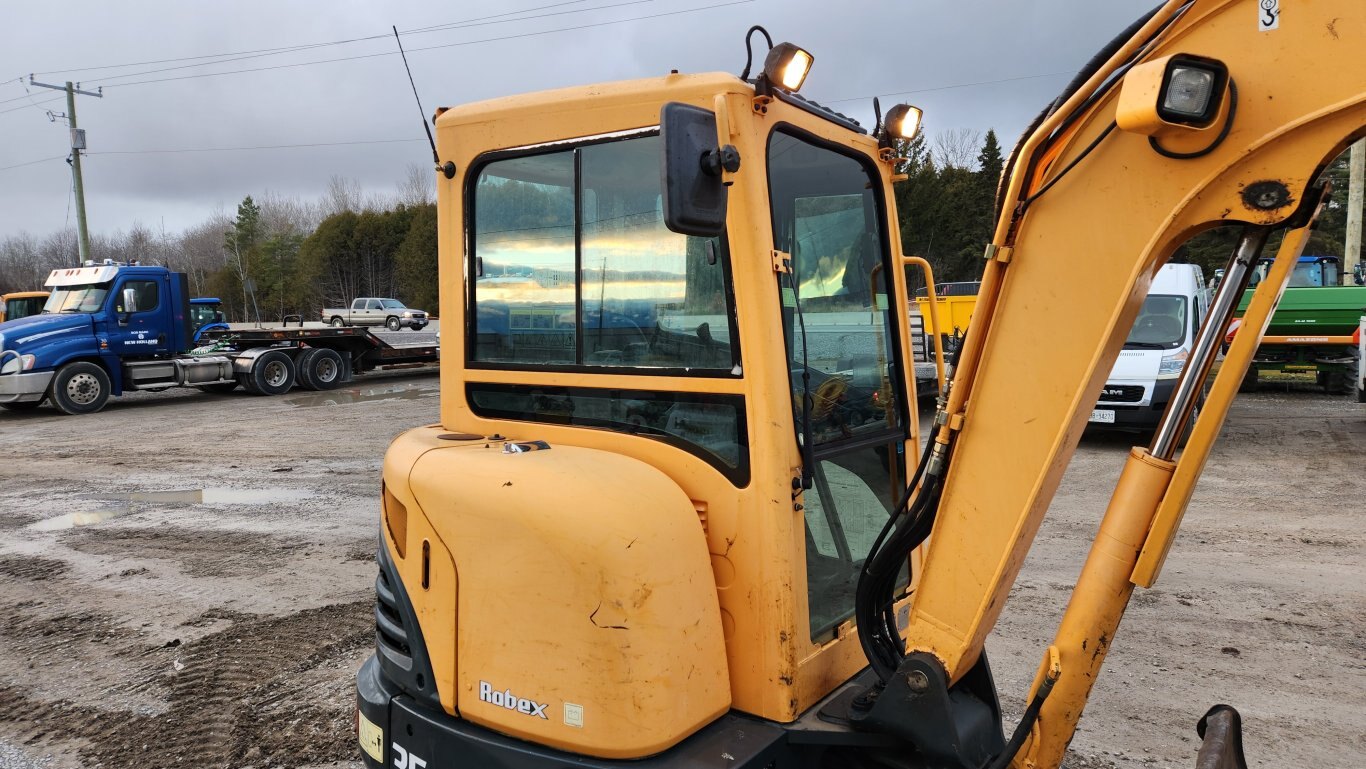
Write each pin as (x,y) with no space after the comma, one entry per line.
(887,46)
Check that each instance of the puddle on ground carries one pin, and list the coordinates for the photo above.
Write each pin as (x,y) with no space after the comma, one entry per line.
(222,495)
(76,520)
(406,391)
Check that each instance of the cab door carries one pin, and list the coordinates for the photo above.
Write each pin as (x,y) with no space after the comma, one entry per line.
(138,327)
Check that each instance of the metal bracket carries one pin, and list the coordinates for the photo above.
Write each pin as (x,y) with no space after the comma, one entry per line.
(1001,254)
(782,261)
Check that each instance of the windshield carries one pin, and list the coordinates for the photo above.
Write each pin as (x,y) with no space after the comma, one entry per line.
(1161,323)
(202,314)
(23,307)
(77,298)
(842,357)
(1307,274)
(393,304)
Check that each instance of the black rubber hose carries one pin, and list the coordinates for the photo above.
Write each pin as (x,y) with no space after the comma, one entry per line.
(1084,74)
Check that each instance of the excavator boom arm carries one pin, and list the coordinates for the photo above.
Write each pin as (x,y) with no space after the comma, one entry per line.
(1090,213)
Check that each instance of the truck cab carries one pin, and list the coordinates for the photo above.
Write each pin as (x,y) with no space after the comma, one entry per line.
(1154,354)
(103,329)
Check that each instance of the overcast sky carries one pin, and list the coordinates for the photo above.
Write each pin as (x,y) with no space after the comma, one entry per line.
(973,64)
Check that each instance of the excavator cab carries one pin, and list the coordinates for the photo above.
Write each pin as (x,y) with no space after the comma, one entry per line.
(676,512)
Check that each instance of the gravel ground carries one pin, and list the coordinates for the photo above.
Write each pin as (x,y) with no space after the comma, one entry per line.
(186,580)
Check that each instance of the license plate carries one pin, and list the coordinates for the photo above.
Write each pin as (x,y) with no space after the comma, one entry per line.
(1104,416)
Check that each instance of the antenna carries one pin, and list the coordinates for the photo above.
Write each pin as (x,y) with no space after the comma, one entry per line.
(448,168)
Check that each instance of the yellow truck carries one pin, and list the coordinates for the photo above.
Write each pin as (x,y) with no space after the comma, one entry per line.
(954,303)
(21,304)
(702,531)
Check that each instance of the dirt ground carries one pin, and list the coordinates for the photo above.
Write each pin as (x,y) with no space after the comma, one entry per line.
(187,580)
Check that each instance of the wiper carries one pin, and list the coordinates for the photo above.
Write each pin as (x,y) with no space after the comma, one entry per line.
(1145,346)
(65,310)
(808,451)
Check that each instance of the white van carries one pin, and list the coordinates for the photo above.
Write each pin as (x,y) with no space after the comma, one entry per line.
(1145,373)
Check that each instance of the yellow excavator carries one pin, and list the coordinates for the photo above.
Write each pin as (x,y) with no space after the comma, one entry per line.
(677,513)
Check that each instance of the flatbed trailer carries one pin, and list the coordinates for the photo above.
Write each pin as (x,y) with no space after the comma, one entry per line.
(361,348)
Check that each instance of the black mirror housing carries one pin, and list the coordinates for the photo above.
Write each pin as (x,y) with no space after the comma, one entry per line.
(694,192)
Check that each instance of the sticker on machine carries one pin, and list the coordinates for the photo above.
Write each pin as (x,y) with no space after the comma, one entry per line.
(506,699)
(371,737)
(1268,15)
(573,715)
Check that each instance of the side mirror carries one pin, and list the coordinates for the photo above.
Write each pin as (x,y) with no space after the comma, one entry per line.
(218,316)
(130,304)
(692,165)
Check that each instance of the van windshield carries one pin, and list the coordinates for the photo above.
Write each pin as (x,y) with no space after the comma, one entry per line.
(1161,324)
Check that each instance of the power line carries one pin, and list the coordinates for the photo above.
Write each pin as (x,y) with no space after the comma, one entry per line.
(30,103)
(257,147)
(32,162)
(265,52)
(280,49)
(434,47)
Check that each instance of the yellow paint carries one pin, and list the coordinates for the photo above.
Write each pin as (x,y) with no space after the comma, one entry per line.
(1235,364)
(955,311)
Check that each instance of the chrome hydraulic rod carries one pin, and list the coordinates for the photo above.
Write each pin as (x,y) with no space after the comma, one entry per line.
(1236,277)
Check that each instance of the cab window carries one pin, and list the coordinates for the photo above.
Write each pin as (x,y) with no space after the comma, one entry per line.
(573,267)
(145,296)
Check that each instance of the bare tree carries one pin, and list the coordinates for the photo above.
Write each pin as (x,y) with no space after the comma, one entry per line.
(287,216)
(957,148)
(342,194)
(418,186)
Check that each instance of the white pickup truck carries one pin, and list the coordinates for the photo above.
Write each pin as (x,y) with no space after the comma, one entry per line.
(376,311)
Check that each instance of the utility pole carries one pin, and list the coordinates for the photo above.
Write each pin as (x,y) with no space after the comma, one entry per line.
(77,144)
(1356,180)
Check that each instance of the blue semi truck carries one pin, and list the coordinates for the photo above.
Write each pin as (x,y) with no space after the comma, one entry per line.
(112,328)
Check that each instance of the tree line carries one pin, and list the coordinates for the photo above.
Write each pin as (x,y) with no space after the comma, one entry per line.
(276,255)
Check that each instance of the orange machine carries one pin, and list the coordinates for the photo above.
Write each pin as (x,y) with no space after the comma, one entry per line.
(675,513)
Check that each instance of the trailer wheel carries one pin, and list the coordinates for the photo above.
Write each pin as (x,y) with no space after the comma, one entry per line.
(1336,383)
(1249,383)
(393,324)
(321,369)
(271,374)
(79,388)
(337,322)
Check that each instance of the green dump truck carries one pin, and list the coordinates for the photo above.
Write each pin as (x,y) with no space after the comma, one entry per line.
(1312,329)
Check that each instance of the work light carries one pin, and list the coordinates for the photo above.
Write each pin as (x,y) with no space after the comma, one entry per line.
(903,122)
(1191,90)
(1175,98)
(786,66)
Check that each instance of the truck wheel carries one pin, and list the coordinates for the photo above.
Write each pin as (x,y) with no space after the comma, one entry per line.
(1249,383)
(271,374)
(337,322)
(79,388)
(320,369)
(393,324)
